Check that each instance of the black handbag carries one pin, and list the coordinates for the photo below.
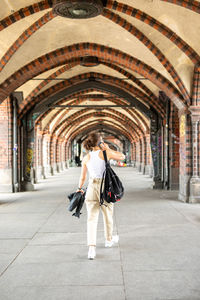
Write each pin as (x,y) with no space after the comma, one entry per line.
(112,189)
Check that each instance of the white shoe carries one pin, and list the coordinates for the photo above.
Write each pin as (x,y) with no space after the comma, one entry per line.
(92,252)
(115,239)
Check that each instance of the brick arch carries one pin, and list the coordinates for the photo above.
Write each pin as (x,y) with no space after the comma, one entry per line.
(189,4)
(111,113)
(81,116)
(25,12)
(132,111)
(73,64)
(95,124)
(121,7)
(150,46)
(77,80)
(137,117)
(132,78)
(28,101)
(127,124)
(116,19)
(166,31)
(43,115)
(94,127)
(24,37)
(77,85)
(72,96)
(59,56)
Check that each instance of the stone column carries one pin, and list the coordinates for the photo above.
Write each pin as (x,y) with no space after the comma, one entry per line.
(156,150)
(174,143)
(149,167)
(28,154)
(144,155)
(195,179)
(184,155)
(134,154)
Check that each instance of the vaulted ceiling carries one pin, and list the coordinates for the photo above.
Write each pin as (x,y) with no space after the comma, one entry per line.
(142,47)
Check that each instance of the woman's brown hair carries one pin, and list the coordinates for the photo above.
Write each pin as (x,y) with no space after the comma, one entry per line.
(91,141)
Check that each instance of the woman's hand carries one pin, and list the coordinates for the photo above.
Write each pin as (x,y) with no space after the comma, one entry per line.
(103,146)
(80,190)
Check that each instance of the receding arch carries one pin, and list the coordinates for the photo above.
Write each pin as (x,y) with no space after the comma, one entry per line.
(58,57)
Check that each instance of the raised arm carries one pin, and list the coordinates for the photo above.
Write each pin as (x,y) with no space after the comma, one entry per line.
(112,154)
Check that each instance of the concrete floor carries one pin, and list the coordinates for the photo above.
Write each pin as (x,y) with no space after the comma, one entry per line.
(43,252)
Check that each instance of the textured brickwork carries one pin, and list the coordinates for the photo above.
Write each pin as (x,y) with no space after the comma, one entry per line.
(147,42)
(166,31)
(175,137)
(148,150)
(30,102)
(185,138)
(76,119)
(126,9)
(24,37)
(25,12)
(59,56)
(6,134)
(189,4)
(196,86)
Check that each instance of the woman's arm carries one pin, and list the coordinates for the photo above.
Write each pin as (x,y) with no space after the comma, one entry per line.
(112,154)
(83,174)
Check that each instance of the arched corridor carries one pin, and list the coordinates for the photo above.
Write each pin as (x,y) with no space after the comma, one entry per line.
(44,253)
(129,71)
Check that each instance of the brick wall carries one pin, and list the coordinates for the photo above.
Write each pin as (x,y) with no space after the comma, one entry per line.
(174,130)
(6,145)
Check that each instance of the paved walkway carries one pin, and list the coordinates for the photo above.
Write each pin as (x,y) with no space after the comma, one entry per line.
(43,252)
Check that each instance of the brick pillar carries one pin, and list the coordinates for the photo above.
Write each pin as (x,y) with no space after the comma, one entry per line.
(174,148)
(6,146)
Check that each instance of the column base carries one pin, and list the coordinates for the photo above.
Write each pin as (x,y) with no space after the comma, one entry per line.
(53,169)
(147,170)
(184,181)
(194,190)
(138,166)
(174,180)
(27,186)
(143,168)
(157,184)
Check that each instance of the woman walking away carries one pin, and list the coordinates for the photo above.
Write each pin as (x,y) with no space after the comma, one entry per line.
(94,163)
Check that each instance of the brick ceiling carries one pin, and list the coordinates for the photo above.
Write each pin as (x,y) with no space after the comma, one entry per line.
(162,37)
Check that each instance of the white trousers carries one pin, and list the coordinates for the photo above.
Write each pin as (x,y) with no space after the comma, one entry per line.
(92,201)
